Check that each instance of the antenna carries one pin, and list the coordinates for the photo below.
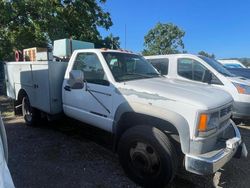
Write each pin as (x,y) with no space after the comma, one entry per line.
(125,37)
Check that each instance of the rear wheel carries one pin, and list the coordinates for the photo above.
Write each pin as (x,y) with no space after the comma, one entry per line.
(147,156)
(30,114)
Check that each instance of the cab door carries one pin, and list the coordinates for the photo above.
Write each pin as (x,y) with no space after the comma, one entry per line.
(93,103)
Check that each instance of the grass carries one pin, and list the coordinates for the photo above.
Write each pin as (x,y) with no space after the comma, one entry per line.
(7,114)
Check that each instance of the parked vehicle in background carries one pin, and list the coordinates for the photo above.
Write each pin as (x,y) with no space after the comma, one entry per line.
(5,177)
(156,123)
(231,63)
(242,72)
(200,69)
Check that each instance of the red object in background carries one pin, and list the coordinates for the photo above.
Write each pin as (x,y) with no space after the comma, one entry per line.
(18,55)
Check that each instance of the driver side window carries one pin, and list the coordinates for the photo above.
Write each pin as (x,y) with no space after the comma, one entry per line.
(193,70)
(91,66)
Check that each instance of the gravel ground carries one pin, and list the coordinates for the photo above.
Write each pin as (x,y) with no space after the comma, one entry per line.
(66,154)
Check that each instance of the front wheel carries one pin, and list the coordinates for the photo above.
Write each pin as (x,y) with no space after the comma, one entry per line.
(147,156)
(30,114)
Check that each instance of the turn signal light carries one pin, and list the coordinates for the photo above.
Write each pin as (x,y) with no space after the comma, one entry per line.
(203,123)
(241,90)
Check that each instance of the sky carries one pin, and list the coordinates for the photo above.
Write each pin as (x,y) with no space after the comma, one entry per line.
(221,27)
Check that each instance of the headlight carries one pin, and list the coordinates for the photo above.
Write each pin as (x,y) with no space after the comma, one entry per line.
(208,123)
(242,89)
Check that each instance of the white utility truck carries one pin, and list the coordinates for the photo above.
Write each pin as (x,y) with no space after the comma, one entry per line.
(206,71)
(156,122)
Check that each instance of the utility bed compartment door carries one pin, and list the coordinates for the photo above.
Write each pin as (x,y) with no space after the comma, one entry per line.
(17,76)
(47,80)
(40,76)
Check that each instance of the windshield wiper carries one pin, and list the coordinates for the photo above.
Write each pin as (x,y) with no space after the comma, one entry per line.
(137,74)
(153,74)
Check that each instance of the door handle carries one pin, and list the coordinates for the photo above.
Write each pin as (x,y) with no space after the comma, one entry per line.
(67,88)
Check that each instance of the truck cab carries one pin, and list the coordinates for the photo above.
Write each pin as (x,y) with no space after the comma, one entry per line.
(156,122)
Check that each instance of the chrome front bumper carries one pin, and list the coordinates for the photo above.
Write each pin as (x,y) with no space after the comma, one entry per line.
(208,164)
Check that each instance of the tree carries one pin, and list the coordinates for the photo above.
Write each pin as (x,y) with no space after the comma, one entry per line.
(245,61)
(163,39)
(206,54)
(111,42)
(30,23)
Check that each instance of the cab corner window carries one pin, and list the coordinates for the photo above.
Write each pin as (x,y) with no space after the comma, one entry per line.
(161,65)
(91,66)
(216,80)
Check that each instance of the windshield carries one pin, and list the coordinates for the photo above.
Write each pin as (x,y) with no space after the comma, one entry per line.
(126,66)
(217,66)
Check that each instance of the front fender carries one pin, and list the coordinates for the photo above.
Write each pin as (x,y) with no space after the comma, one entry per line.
(161,116)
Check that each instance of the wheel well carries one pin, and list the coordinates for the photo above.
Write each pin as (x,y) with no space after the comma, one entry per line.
(131,119)
(22,93)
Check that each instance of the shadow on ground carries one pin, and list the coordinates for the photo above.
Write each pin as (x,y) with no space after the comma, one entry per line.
(67,154)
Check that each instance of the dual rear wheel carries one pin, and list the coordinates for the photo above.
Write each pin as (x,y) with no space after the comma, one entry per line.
(30,114)
(147,156)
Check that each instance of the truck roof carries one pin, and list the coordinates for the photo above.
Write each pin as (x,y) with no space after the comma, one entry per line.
(170,55)
(104,50)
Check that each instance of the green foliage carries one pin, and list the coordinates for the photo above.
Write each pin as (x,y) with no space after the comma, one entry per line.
(163,39)
(29,23)
(245,61)
(203,53)
(111,42)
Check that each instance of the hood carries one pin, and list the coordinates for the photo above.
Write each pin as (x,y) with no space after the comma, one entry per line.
(200,95)
(242,72)
(240,80)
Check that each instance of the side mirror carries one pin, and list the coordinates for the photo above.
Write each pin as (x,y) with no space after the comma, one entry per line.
(208,77)
(76,79)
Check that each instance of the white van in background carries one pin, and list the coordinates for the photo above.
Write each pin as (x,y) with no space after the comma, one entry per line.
(231,63)
(200,69)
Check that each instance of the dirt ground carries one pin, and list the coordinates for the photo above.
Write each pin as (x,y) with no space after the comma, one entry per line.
(69,154)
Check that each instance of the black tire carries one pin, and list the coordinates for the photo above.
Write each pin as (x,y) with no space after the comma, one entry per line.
(147,156)
(30,114)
